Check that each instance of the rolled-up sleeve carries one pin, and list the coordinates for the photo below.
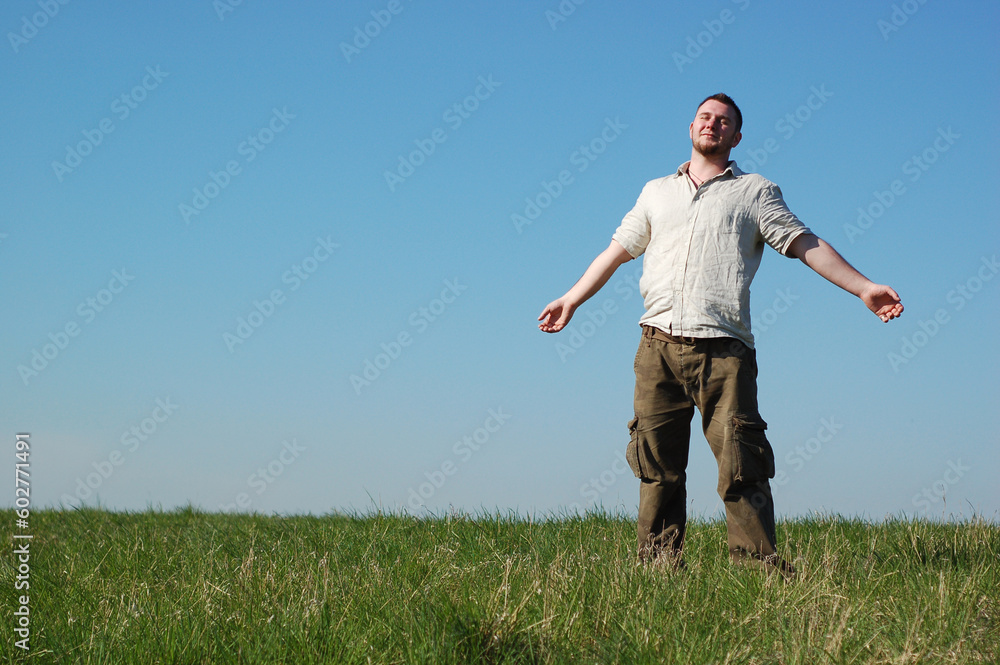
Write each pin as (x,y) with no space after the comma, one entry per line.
(778,225)
(633,233)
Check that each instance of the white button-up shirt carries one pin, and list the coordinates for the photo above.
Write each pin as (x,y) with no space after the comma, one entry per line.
(703,247)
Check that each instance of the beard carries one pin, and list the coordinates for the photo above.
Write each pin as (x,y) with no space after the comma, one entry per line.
(712,149)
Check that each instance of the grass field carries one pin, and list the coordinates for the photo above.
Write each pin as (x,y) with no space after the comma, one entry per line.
(191,587)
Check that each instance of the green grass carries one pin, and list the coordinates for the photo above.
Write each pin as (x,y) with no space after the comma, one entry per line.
(191,587)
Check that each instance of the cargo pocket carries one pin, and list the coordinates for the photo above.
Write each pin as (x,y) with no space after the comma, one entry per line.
(753,459)
(632,450)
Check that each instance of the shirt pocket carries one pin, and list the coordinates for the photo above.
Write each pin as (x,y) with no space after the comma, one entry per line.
(725,215)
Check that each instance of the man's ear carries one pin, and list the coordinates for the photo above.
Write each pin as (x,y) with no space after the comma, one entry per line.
(737,139)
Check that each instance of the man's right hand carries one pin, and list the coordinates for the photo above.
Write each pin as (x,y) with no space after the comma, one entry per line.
(556,315)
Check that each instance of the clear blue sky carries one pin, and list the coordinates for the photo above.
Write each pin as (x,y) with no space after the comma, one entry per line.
(200,233)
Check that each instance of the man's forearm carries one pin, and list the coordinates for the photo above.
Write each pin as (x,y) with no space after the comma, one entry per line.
(824,259)
(558,313)
(598,274)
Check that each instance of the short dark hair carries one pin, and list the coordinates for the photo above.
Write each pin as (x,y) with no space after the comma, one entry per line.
(728,101)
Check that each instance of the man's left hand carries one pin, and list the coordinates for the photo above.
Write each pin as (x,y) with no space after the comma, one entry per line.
(882,300)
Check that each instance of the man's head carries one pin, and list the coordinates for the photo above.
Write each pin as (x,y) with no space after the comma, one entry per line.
(716,126)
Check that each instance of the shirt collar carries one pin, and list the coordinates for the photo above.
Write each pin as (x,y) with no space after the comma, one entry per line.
(730,168)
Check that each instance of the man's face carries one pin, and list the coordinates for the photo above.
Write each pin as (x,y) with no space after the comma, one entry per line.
(713,131)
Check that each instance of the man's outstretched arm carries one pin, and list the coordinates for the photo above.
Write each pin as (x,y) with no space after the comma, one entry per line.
(557,313)
(824,259)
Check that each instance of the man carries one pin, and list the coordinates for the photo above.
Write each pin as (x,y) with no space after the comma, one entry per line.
(703,230)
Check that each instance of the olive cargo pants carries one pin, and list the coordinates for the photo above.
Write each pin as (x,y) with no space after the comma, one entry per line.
(673,375)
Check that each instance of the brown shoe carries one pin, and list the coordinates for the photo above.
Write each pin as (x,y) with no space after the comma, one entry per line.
(770,563)
(662,558)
